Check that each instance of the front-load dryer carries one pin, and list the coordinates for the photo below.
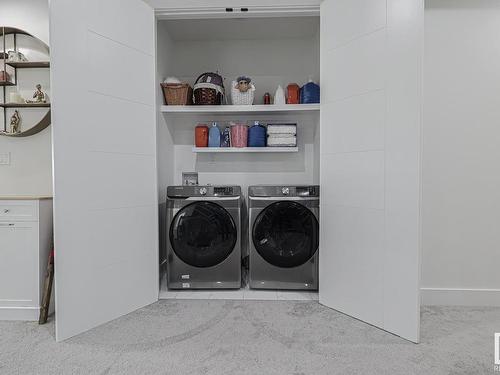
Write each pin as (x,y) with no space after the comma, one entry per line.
(204,240)
(283,237)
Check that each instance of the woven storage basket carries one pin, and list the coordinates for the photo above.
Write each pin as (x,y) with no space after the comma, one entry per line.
(177,93)
(208,89)
(242,98)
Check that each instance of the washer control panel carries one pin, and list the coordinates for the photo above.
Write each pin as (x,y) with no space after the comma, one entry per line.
(182,192)
(226,191)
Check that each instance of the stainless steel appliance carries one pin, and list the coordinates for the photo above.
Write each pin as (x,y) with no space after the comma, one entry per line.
(204,239)
(283,237)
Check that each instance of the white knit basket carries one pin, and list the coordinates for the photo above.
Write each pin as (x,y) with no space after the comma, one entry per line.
(242,98)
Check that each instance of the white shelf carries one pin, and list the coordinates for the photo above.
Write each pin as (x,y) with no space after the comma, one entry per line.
(244,149)
(242,109)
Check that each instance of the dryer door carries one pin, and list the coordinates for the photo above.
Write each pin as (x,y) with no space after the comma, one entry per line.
(285,234)
(203,234)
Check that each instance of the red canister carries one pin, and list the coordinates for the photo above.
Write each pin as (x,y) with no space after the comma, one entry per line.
(293,94)
(201,135)
(267,98)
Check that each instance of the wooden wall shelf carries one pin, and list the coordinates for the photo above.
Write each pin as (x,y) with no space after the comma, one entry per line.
(44,123)
(28,64)
(24,105)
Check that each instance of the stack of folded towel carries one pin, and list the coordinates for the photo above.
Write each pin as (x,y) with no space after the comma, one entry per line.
(282,135)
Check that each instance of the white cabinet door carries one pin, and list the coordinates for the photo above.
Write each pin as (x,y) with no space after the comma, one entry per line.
(371,72)
(18,264)
(104,144)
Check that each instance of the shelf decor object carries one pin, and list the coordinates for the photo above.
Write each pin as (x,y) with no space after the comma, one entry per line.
(208,89)
(242,91)
(10,62)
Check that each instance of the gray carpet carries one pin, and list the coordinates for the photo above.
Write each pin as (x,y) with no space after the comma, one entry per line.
(253,337)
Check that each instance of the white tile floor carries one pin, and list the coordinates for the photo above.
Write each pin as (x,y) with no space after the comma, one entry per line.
(241,294)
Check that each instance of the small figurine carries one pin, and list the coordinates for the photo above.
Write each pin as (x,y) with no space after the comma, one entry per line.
(243,83)
(39,96)
(15,122)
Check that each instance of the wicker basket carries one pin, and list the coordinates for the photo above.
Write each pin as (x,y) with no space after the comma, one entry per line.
(177,93)
(208,89)
(242,98)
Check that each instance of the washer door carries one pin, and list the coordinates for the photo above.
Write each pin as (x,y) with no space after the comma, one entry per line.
(286,234)
(203,234)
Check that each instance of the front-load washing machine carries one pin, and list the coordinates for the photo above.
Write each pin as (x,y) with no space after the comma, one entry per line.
(283,237)
(204,239)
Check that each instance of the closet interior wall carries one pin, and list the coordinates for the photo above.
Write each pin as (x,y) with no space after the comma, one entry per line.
(272,51)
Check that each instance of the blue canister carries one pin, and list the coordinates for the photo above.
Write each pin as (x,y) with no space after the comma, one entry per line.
(214,136)
(257,135)
(309,93)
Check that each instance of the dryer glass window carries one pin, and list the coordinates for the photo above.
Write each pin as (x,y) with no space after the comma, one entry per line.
(286,234)
(203,234)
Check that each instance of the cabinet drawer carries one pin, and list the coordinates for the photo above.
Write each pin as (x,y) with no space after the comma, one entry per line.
(18,264)
(18,210)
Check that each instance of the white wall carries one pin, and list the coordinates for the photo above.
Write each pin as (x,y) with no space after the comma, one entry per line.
(30,171)
(461,159)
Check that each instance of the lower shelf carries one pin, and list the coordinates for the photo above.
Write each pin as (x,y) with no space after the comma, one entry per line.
(244,149)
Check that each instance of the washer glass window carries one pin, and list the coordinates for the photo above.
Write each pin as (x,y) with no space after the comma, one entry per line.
(286,234)
(203,234)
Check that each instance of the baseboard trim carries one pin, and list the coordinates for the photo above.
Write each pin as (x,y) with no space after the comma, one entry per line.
(460,297)
(20,313)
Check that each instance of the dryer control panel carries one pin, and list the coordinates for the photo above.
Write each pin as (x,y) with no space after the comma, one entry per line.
(284,191)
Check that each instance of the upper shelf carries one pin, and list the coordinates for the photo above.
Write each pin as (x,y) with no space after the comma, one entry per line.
(29,64)
(24,105)
(240,109)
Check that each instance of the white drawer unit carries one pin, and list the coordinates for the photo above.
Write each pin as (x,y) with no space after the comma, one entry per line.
(25,243)
(18,210)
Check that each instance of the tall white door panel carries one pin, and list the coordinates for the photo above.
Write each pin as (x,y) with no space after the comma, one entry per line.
(371,53)
(104,146)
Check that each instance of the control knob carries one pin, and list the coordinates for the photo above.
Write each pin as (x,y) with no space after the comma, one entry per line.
(285,191)
(203,191)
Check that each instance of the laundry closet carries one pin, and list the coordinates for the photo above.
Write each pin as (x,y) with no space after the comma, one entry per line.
(272,51)
(361,144)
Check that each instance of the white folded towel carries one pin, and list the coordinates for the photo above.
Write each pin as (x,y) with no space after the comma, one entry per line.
(282,140)
(290,129)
